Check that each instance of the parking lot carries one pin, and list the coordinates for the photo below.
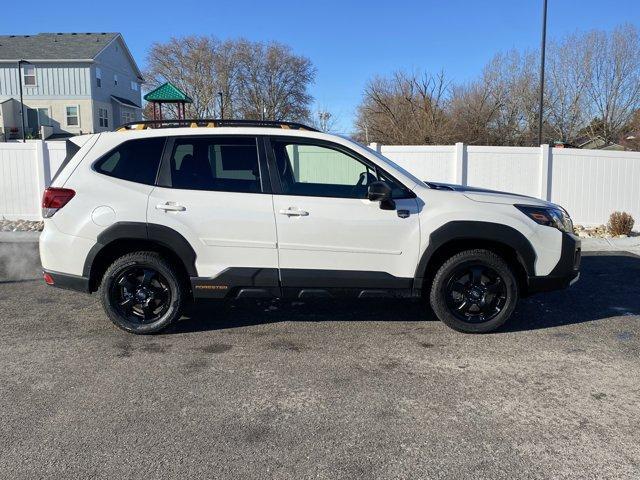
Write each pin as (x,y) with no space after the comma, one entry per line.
(341,389)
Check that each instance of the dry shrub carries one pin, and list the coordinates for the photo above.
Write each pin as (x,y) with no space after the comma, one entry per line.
(620,223)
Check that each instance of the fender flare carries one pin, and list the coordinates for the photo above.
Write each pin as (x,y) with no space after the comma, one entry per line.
(164,236)
(476,230)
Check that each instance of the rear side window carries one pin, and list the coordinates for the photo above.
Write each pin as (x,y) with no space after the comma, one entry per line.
(134,160)
(225,164)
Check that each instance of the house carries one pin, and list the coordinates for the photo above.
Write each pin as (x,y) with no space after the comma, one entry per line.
(72,82)
(596,143)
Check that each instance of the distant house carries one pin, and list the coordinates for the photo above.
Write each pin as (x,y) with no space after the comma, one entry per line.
(596,143)
(73,82)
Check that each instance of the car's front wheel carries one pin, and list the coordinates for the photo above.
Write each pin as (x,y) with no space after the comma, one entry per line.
(141,293)
(474,291)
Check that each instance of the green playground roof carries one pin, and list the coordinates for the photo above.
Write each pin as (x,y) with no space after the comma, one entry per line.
(167,92)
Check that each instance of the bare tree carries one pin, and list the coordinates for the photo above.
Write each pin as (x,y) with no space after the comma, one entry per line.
(272,82)
(592,88)
(405,108)
(189,63)
(255,79)
(566,88)
(323,119)
(613,89)
(500,108)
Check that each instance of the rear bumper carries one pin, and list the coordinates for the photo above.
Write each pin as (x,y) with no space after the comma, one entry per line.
(565,273)
(68,282)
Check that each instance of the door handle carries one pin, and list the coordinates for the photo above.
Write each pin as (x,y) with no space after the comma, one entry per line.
(171,207)
(293,212)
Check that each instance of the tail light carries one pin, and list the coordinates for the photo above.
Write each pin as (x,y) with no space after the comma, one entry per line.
(47,278)
(54,199)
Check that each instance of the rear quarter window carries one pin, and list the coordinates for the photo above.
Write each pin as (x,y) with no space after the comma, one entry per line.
(71,150)
(134,160)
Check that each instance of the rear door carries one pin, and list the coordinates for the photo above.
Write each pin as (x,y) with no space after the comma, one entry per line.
(213,191)
(329,233)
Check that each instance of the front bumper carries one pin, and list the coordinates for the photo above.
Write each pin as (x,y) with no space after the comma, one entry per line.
(565,273)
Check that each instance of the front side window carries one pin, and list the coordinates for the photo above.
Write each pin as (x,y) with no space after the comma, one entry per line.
(322,171)
(225,164)
(134,160)
(103,117)
(29,75)
(73,120)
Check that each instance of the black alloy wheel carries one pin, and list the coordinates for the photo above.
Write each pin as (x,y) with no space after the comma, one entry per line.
(141,294)
(474,291)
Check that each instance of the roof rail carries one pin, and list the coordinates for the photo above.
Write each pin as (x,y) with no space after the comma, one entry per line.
(211,122)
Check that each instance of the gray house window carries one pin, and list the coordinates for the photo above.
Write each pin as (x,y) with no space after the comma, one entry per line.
(73,119)
(98,77)
(115,79)
(103,117)
(29,75)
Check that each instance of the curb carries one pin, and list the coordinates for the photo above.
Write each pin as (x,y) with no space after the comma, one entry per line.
(19,237)
(631,244)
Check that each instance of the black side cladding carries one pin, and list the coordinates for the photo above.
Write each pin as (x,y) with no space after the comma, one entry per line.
(471,230)
(160,234)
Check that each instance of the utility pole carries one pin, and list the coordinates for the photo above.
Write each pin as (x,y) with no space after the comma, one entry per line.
(542,49)
(221,106)
(20,63)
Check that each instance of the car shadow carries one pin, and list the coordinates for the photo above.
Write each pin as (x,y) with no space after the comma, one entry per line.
(609,286)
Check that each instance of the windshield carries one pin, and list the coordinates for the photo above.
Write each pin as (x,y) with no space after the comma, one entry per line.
(388,161)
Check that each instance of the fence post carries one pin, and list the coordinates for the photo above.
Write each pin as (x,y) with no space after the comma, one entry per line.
(545,171)
(460,164)
(375,146)
(42,169)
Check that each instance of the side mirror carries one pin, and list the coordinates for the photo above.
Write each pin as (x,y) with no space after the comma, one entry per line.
(381,192)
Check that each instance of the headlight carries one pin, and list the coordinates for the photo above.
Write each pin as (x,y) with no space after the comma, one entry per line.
(556,217)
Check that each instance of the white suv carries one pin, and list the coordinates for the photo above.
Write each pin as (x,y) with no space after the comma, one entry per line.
(158,214)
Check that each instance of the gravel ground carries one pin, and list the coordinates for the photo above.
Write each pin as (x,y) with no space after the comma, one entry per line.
(323,390)
(20,225)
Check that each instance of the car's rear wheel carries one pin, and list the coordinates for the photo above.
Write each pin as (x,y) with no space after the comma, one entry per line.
(475,291)
(141,293)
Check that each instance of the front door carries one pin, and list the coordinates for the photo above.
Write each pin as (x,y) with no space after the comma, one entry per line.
(211,192)
(329,233)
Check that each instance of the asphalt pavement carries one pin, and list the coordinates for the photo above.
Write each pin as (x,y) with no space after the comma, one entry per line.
(333,389)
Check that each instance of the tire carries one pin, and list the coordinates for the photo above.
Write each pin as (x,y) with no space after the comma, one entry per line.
(474,291)
(141,293)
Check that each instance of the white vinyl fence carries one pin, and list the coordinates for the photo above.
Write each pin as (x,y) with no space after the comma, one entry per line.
(590,184)
(25,169)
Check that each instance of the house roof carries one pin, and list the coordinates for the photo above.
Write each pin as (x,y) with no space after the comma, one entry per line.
(125,102)
(72,47)
(167,92)
(54,46)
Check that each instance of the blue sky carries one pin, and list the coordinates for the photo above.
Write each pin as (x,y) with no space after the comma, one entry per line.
(348,42)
